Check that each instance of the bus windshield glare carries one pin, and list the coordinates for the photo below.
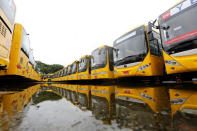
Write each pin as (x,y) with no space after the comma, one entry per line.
(179,27)
(130,47)
(69,70)
(65,72)
(83,64)
(99,58)
(74,68)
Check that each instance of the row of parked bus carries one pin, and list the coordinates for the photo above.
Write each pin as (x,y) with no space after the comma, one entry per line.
(156,49)
(16,56)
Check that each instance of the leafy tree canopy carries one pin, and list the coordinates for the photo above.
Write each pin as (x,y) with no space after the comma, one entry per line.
(46,69)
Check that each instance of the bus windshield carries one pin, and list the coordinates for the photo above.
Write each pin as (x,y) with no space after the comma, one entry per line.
(179,27)
(74,68)
(69,70)
(9,9)
(99,58)
(83,64)
(65,72)
(130,47)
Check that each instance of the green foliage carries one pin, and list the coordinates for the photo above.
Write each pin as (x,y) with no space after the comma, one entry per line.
(44,96)
(46,69)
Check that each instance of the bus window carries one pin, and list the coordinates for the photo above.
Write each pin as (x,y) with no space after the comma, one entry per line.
(155,45)
(83,64)
(99,58)
(25,43)
(9,9)
(74,68)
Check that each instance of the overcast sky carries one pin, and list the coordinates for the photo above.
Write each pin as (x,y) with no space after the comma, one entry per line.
(62,31)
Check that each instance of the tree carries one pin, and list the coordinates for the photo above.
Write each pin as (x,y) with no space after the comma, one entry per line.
(46,69)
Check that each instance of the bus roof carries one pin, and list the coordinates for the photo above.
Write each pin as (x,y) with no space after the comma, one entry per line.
(85,56)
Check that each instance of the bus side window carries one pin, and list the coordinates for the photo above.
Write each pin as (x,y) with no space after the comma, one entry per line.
(155,45)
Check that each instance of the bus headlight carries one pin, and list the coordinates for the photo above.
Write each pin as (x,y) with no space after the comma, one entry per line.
(143,67)
(146,96)
(171,62)
(178,101)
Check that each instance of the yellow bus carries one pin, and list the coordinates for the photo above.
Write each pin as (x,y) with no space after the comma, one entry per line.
(102,63)
(73,73)
(143,107)
(178,29)
(184,109)
(137,53)
(183,101)
(63,75)
(155,97)
(103,103)
(47,77)
(12,103)
(73,93)
(7,17)
(69,70)
(84,72)
(59,75)
(19,54)
(84,96)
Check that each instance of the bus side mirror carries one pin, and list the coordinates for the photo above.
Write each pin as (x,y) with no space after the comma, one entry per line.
(149,28)
(149,31)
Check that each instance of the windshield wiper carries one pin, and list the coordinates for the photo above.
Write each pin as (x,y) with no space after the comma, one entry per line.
(132,58)
(97,66)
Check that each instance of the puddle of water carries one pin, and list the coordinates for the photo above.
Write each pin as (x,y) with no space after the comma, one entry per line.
(98,108)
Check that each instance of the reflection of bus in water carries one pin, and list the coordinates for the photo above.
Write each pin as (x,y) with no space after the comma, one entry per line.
(103,103)
(178,29)
(102,63)
(13,103)
(84,72)
(184,109)
(84,96)
(137,53)
(60,89)
(46,77)
(7,14)
(142,107)
(73,93)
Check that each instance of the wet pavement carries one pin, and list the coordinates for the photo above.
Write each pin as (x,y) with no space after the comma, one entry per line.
(67,107)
